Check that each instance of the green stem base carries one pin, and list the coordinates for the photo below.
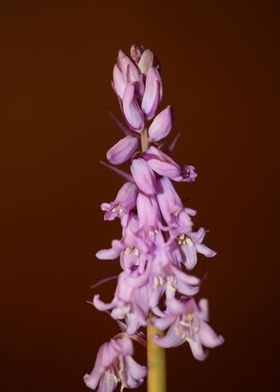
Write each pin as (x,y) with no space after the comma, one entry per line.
(156,362)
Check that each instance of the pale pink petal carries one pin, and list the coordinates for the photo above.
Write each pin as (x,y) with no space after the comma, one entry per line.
(119,81)
(153,93)
(131,109)
(161,163)
(146,61)
(197,350)
(108,254)
(208,336)
(204,250)
(134,369)
(128,68)
(100,305)
(123,150)
(161,125)
(171,339)
(143,176)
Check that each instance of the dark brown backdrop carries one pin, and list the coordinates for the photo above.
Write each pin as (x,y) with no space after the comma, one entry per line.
(220,66)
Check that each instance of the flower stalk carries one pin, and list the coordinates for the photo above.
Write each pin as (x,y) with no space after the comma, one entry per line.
(156,361)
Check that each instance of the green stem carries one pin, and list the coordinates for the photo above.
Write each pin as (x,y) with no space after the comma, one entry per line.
(144,140)
(155,353)
(156,362)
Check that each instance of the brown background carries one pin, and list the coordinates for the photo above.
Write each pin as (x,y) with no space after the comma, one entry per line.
(220,67)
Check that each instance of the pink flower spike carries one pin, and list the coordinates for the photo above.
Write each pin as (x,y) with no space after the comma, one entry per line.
(143,176)
(161,125)
(131,109)
(146,61)
(122,150)
(153,93)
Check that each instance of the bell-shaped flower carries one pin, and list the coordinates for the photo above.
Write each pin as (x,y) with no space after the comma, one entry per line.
(148,213)
(152,94)
(131,300)
(122,150)
(187,322)
(124,202)
(114,364)
(143,176)
(190,244)
(169,201)
(173,280)
(161,125)
(133,114)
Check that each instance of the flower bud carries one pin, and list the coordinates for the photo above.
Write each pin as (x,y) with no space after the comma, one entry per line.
(153,93)
(122,150)
(131,109)
(161,125)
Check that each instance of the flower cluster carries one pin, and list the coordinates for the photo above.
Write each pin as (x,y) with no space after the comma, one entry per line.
(159,242)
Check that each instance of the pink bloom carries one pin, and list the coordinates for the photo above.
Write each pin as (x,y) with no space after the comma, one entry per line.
(125,201)
(114,364)
(187,322)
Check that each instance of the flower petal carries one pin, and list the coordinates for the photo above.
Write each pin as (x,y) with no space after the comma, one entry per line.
(161,125)
(161,163)
(119,81)
(143,176)
(204,250)
(171,339)
(197,350)
(107,254)
(146,61)
(122,150)
(208,336)
(153,93)
(131,109)
(135,370)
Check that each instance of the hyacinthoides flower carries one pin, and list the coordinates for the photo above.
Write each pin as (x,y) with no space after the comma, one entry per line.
(154,301)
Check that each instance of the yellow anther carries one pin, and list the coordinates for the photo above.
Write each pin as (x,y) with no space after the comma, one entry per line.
(136,252)
(128,250)
(189,241)
(155,282)
(116,208)
(115,378)
(161,280)
(195,328)
(189,316)
(170,282)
